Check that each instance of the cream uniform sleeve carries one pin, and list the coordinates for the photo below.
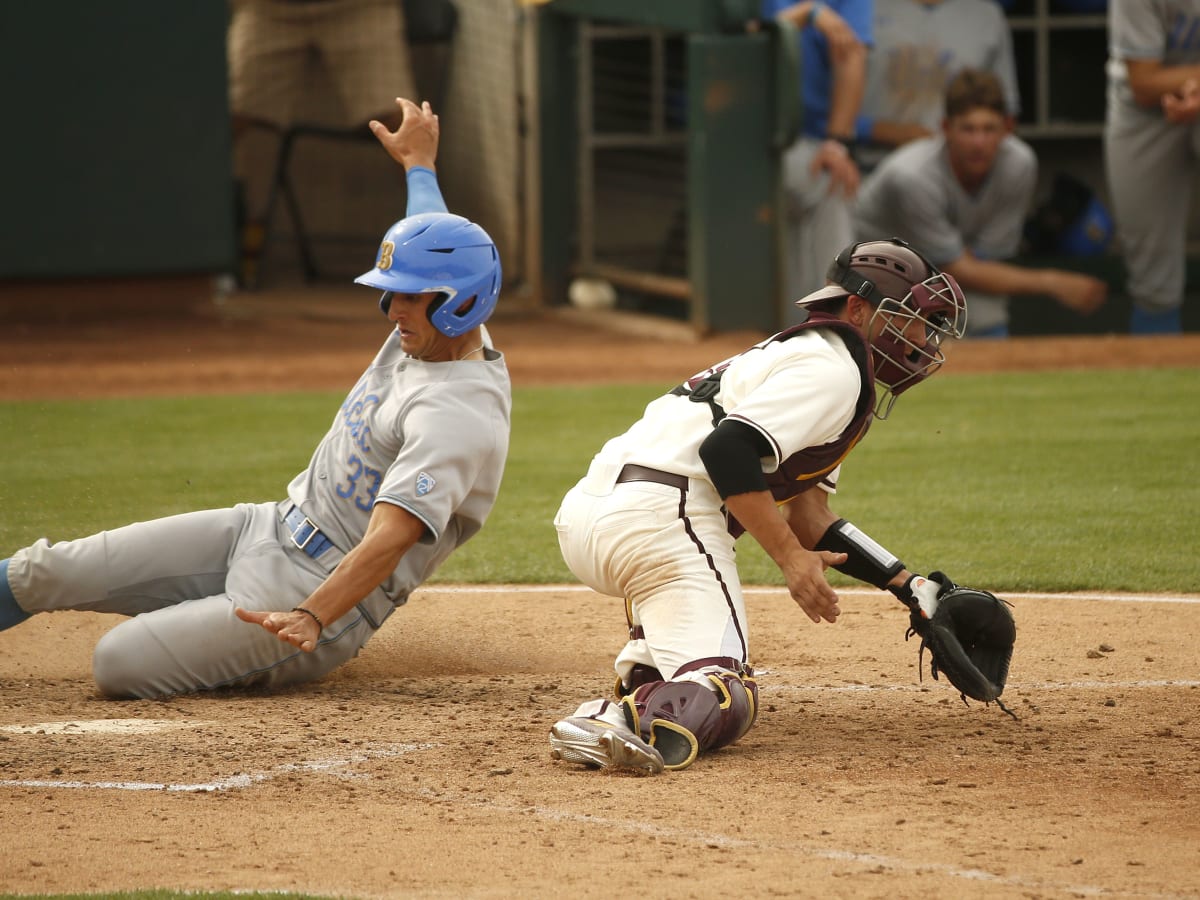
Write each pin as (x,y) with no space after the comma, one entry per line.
(797,393)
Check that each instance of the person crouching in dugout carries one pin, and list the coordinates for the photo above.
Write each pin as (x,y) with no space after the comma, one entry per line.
(753,444)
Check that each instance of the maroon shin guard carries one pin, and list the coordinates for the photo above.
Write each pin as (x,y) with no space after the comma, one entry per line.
(683,718)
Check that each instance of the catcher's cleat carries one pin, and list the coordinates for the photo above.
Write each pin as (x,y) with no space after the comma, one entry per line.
(595,742)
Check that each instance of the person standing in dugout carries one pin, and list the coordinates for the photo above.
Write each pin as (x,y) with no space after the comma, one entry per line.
(753,444)
(273,594)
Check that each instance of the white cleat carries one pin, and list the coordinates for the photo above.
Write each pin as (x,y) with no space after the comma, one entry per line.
(595,742)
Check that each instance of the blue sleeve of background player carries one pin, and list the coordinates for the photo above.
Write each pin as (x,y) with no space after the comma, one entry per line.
(424,195)
(859,15)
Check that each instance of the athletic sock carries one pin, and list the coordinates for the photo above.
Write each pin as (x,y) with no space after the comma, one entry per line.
(10,613)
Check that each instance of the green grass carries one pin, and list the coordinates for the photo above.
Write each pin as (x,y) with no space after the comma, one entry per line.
(1015,482)
(168,895)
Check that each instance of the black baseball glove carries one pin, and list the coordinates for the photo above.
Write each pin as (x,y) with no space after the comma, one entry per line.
(969,634)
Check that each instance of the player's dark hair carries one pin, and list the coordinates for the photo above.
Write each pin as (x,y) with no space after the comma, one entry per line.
(972,89)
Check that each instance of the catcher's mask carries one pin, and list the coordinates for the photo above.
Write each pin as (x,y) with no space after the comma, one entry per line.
(903,286)
(445,254)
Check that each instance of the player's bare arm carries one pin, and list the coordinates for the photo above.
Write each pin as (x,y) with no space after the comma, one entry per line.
(803,570)
(1074,290)
(798,14)
(838,34)
(1151,81)
(415,141)
(809,516)
(843,42)
(849,83)
(390,533)
(895,134)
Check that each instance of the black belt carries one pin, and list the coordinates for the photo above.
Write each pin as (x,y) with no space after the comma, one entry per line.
(631,472)
(305,535)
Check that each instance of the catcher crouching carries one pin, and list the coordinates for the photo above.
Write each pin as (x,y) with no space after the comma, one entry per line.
(754,445)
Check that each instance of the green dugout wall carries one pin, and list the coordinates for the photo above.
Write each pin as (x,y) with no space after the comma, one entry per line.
(116,151)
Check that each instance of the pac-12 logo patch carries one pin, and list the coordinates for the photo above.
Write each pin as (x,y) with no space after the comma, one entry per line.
(425,483)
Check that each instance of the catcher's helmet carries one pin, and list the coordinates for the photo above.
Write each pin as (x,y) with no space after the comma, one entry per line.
(445,253)
(903,286)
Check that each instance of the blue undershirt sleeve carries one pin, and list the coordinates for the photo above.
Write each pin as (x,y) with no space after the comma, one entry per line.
(424,195)
(862,128)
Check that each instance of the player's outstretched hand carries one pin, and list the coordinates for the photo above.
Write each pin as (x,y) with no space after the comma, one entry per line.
(1082,293)
(296,628)
(807,584)
(415,141)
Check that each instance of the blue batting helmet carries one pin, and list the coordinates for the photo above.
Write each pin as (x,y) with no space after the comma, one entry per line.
(443,253)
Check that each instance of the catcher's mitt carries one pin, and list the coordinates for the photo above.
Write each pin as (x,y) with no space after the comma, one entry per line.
(970,637)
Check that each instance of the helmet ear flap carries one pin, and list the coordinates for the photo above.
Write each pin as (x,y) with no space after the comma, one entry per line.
(452,314)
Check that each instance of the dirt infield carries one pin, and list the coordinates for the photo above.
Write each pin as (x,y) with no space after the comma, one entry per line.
(421,769)
(321,338)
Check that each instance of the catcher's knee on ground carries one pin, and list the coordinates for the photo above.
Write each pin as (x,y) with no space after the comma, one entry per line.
(682,719)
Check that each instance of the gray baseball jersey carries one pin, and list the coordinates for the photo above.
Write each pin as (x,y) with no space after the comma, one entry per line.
(429,437)
(1151,163)
(914,195)
(918,48)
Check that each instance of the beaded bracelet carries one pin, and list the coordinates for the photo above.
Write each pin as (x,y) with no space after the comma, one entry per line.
(309,612)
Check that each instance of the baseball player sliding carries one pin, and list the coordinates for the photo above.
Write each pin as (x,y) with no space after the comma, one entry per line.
(655,518)
(273,594)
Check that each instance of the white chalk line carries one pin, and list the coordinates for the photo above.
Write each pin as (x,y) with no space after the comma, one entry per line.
(767,683)
(338,763)
(1092,596)
(232,782)
(101,726)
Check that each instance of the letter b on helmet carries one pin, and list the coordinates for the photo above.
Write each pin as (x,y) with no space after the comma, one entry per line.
(445,254)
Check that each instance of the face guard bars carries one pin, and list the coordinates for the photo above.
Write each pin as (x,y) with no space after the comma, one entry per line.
(938,303)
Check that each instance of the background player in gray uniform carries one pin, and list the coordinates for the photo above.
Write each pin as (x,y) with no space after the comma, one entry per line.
(1152,149)
(656,516)
(272,594)
(919,46)
(963,197)
(819,172)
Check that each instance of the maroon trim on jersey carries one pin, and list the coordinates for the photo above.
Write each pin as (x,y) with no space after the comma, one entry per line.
(808,467)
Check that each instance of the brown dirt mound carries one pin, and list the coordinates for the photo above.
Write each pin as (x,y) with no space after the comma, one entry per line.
(321,338)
